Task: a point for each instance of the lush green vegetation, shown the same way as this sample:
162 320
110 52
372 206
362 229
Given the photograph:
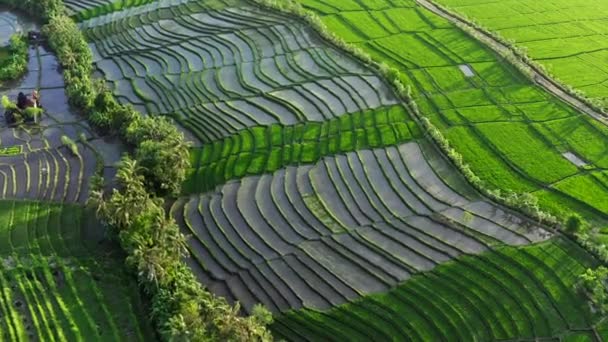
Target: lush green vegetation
563 36
13 59
315 198
508 293
182 309
86 10
270 148
484 113
60 281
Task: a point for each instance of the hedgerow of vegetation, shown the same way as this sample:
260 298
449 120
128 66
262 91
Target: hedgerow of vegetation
166 158
526 203
182 308
15 65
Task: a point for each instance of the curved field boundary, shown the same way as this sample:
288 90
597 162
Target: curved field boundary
350 225
86 6
539 76
83 10
219 71
58 282
507 293
43 168
270 148
463 106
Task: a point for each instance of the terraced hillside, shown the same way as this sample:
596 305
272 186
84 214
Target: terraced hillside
514 136
313 187
565 36
57 282
35 162
249 69
59 278
321 234
241 244
76 6
505 294
227 68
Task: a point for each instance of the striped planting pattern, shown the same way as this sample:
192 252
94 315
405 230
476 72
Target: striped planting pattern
219 70
34 163
57 282
350 225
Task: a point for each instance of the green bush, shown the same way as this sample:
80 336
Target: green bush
181 307
575 224
593 283
16 64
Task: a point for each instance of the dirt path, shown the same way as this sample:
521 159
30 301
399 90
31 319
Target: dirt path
540 79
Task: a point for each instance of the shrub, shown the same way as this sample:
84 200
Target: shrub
161 150
593 284
575 224
182 308
16 64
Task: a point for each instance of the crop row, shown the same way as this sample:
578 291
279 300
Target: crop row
318 235
507 293
42 228
48 302
270 148
53 175
220 72
565 37
76 6
512 134
55 283
82 10
39 164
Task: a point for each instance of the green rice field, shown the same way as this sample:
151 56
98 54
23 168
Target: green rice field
313 188
514 135
476 298
564 36
58 282
61 279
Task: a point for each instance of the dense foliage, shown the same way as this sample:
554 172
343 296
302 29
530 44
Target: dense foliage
593 282
166 158
16 63
182 308
43 9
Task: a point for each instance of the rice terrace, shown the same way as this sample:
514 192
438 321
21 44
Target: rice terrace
303 170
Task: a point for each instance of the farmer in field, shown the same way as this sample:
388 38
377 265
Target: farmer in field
24 102
36 99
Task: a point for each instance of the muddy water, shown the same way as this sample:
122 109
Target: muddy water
11 23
